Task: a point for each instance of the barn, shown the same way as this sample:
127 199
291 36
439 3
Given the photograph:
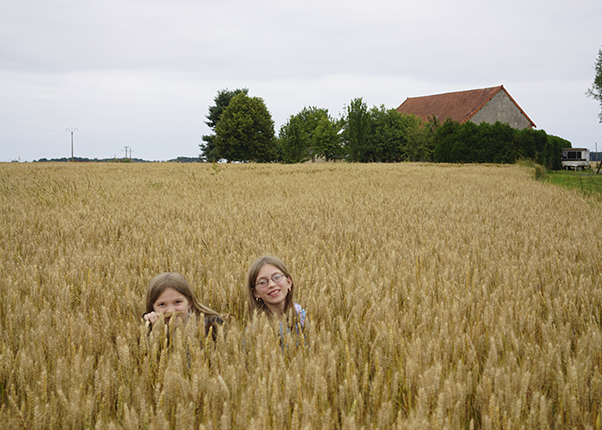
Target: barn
481 105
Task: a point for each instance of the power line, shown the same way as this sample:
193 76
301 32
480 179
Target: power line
31 127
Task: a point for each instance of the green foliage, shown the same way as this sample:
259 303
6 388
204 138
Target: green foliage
384 135
496 143
208 149
554 151
532 144
221 100
471 143
327 139
245 131
294 141
420 137
595 91
375 135
447 139
357 123
386 139
216 169
307 134
588 184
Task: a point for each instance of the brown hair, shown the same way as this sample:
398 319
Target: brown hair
175 281
259 305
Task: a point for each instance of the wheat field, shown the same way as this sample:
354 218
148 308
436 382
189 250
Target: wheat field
438 296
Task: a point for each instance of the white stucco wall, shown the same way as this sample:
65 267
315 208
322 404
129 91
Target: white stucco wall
501 108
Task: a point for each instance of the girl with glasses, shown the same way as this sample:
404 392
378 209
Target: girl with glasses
270 291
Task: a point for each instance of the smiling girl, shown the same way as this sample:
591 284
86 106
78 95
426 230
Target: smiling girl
169 294
270 290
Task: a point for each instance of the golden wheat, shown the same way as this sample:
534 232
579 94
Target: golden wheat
438 296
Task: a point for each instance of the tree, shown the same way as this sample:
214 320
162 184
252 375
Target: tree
221 100
393 137
595 91
356 129
421 137
295 138
308 134
384 135
245 131
327 139
293 141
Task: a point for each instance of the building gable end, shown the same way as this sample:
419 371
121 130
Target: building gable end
470 105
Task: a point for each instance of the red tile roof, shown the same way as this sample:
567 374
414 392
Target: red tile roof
460 106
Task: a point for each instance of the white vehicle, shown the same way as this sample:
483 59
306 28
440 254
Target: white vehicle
575 158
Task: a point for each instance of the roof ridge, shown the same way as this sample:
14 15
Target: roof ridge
461 91
460 106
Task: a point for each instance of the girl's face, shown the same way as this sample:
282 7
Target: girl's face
272 287
170 303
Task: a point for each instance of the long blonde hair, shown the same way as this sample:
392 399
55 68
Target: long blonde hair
176 281
259 305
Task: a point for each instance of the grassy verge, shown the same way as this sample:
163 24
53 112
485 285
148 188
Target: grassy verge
587 182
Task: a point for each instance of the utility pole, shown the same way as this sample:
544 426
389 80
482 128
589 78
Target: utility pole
126 151
71 130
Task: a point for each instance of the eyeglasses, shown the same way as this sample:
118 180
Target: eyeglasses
276 277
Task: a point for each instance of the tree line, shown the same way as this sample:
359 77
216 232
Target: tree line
243 130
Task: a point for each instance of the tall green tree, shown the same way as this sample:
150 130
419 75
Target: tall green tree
245 131
595 91
221 100
357 122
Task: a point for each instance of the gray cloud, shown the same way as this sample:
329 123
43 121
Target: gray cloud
143 73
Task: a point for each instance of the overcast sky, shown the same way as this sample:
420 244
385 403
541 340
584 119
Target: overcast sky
142 73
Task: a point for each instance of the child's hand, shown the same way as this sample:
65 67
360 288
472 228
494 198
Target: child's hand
151 317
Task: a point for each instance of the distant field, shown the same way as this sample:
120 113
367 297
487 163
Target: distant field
438 296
